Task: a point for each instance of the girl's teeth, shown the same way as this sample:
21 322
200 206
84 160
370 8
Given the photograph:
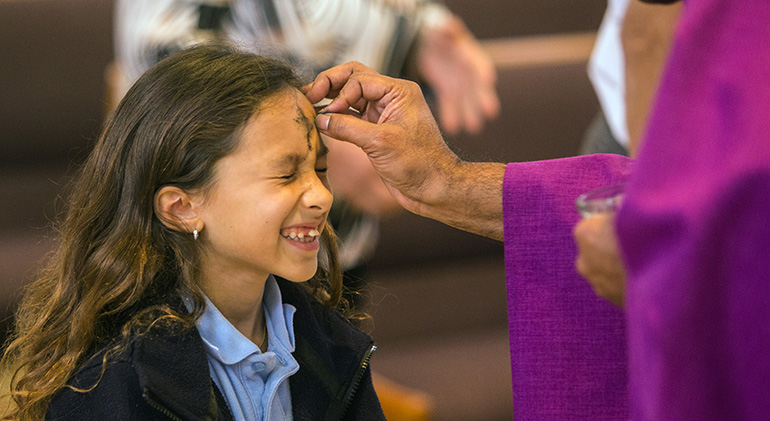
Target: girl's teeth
310 236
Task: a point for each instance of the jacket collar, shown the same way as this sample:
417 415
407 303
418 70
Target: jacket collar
173 372
331 353
173 369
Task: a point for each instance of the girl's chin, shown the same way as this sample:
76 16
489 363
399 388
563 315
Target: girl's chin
298 277
296 280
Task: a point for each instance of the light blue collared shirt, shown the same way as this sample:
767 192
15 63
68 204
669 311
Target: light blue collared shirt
255 384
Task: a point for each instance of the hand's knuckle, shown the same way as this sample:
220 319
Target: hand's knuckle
412 85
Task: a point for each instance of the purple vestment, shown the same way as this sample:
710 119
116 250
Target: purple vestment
568 347
695 225
695 234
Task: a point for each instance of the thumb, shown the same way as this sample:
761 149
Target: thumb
346 127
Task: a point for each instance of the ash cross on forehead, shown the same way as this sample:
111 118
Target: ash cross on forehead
309 125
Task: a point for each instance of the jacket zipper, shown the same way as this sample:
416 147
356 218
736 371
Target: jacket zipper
358 377
157 405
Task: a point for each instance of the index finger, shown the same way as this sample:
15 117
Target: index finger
329 82
364 90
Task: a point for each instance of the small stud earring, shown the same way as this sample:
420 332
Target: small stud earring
195 234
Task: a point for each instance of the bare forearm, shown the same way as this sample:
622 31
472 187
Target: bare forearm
470 199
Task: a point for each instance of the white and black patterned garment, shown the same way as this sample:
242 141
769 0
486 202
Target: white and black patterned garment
313 34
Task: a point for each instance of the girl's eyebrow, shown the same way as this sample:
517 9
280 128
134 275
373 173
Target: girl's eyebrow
289 160
293 159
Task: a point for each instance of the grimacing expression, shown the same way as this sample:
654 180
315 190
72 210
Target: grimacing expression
270 198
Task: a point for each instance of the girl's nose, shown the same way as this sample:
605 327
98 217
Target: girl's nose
318 194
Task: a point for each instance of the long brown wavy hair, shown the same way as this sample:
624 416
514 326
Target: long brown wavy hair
116 265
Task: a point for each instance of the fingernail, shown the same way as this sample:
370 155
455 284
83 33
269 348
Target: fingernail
322 121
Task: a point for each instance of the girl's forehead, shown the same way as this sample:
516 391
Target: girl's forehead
288 104
284 122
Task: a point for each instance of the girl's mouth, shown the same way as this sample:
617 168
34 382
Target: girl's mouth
303 235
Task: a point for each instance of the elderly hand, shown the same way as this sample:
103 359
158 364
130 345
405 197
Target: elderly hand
599 258
452 63
395 128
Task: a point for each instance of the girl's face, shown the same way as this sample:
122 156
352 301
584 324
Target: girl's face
270 198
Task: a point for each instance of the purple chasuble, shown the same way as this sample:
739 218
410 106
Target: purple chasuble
568 347
695 225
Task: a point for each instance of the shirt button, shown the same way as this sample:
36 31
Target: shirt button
258 366
281 360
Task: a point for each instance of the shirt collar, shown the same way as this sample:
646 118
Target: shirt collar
228 345
278 316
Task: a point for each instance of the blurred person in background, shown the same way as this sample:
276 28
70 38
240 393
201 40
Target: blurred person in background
631 48
625 68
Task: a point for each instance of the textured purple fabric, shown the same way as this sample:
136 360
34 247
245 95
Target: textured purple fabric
568 347
695 225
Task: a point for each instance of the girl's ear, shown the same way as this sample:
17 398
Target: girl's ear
176 210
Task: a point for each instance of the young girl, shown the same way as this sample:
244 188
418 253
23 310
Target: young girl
177 290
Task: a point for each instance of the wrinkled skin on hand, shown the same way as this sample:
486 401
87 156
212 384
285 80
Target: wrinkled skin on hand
599 260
